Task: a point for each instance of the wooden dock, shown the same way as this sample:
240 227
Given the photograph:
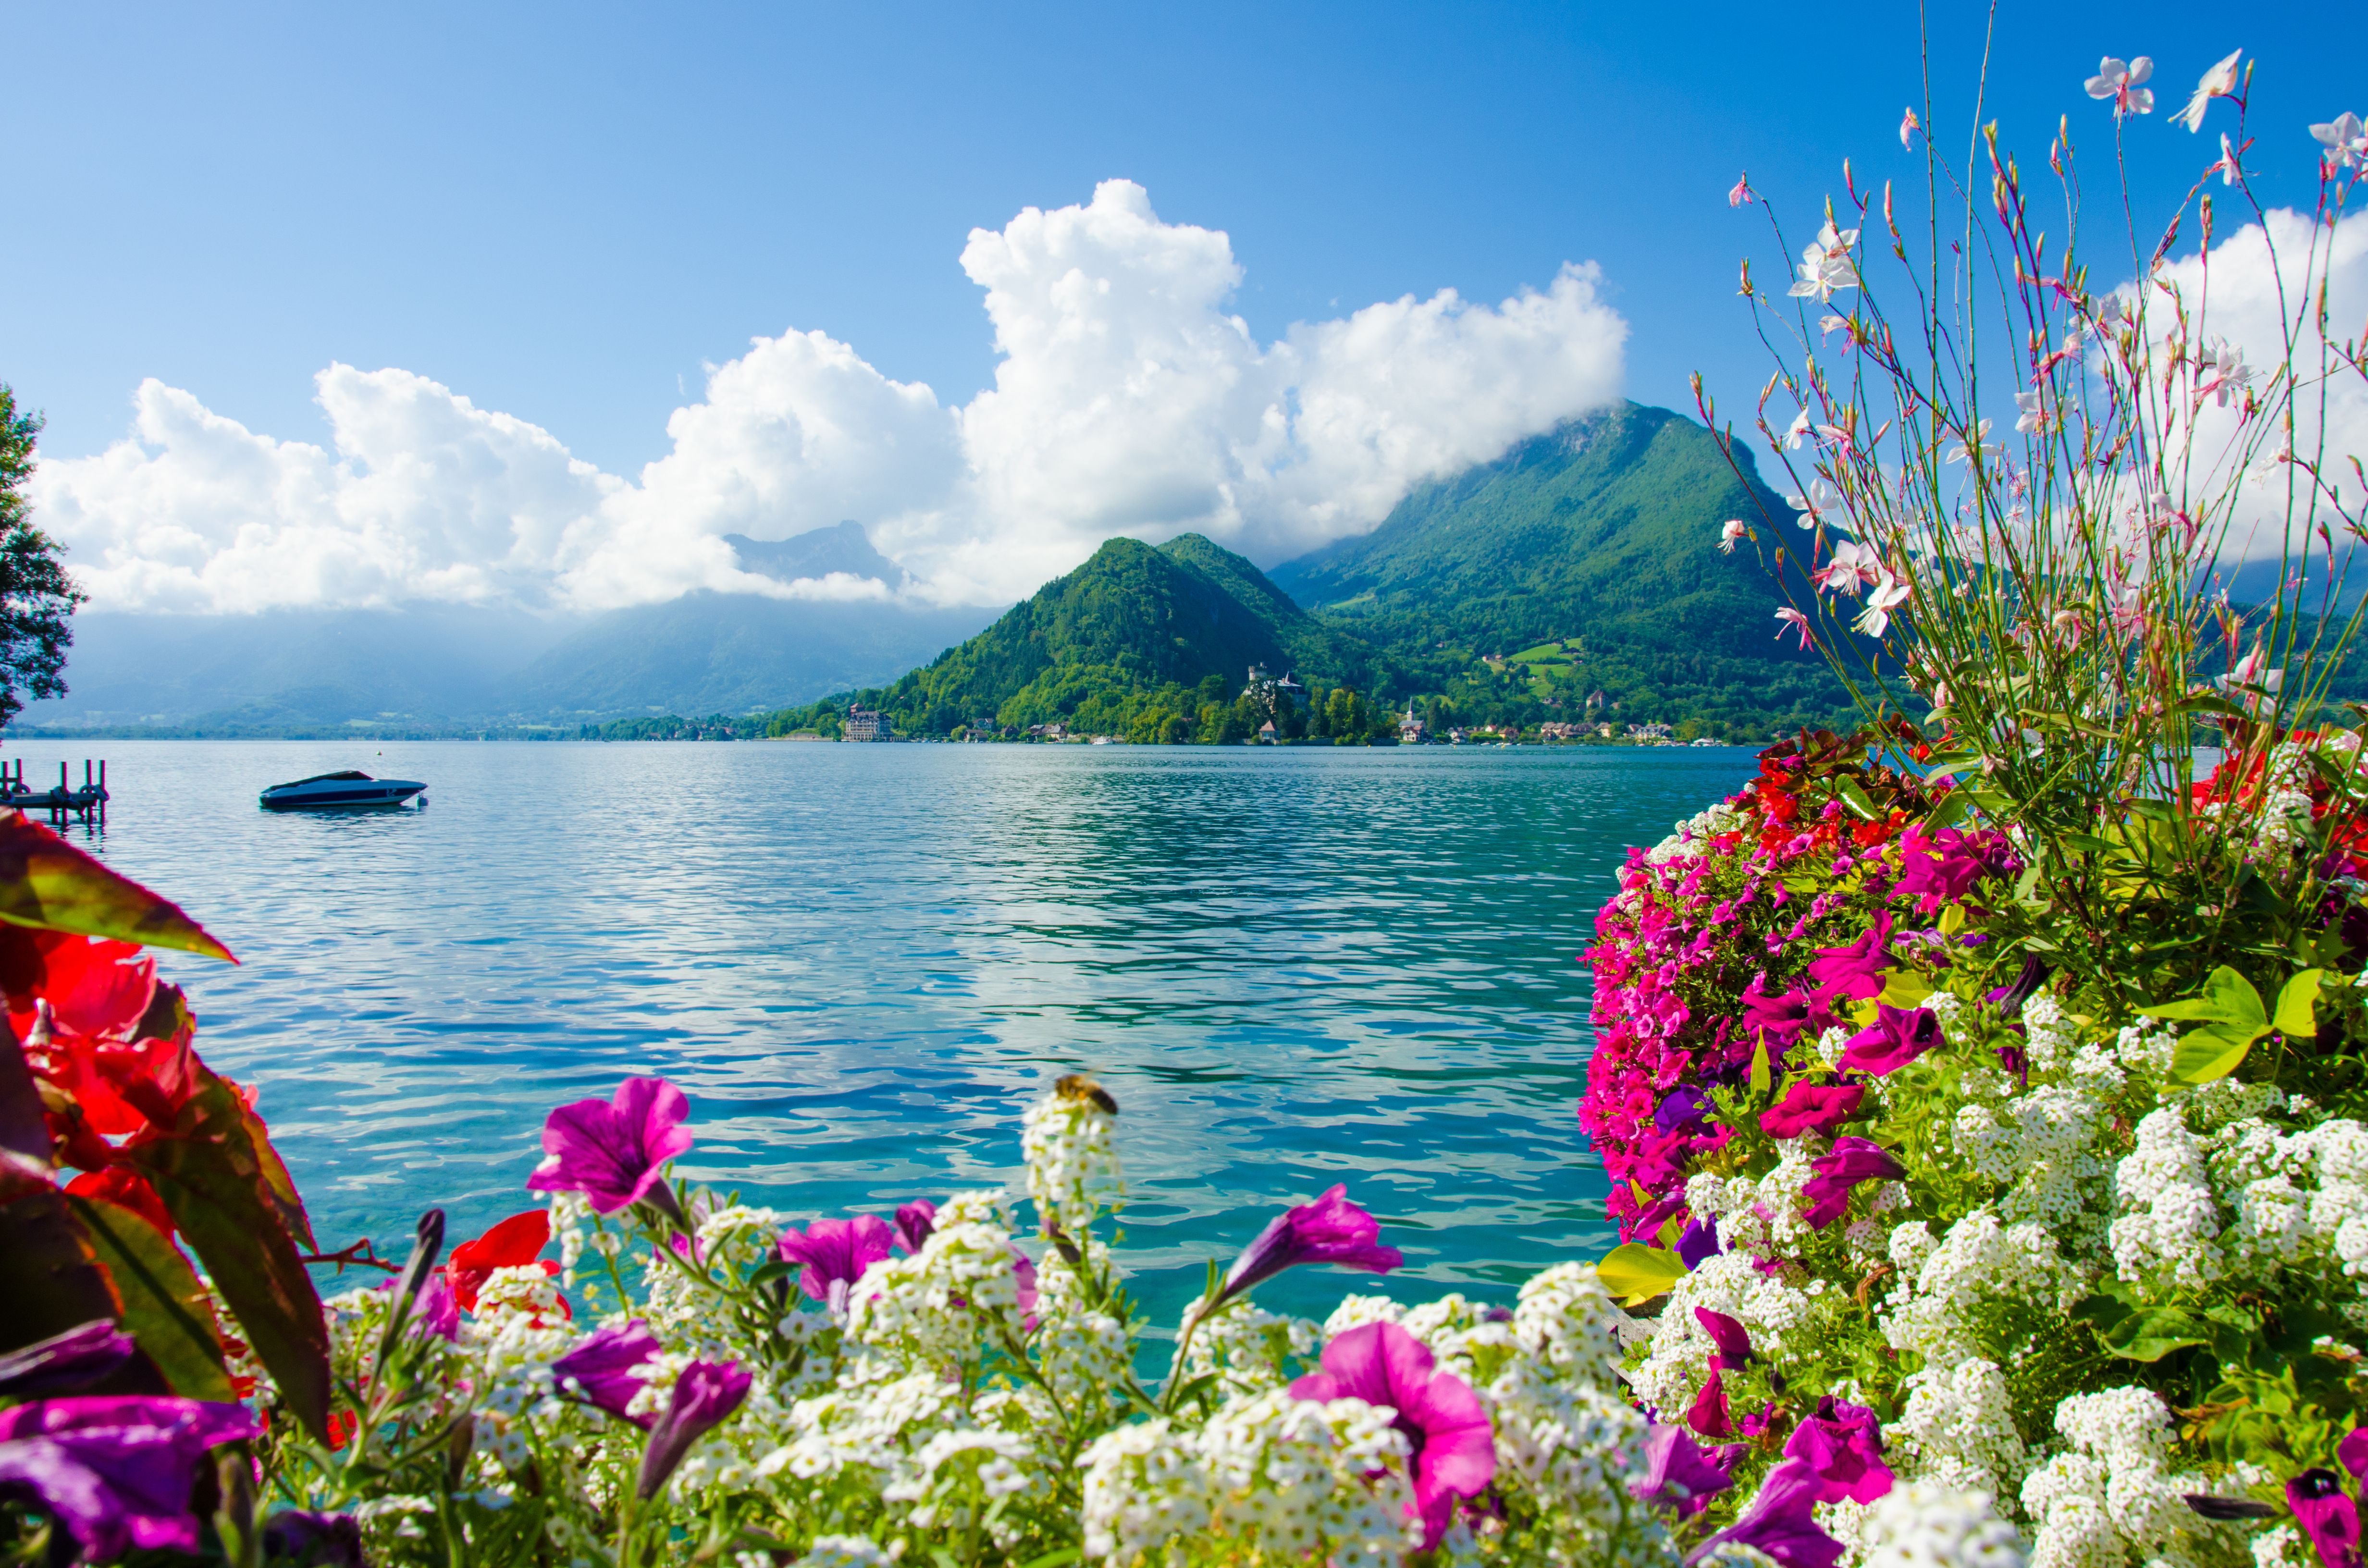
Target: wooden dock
64 803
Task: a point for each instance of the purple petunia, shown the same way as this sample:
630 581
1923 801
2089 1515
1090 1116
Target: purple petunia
1811 1108
1780 1522
1331 1229
614 1151
1897 1036
1852 1161
835 1253
704 1394
116 1472
1855 970
73 1359
1681 1108
1680 1473
2327 1516
1843 1443
1451 1448
600 1371
1698 1241
914 1222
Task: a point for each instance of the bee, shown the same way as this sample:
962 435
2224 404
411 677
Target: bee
1078 1087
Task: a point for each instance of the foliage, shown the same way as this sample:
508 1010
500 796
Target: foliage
36 598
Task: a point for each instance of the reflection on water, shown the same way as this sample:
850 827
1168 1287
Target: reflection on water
1291 968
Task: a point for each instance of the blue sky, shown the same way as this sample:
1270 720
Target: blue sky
562 212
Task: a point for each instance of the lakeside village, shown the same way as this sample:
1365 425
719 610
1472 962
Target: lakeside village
1273 709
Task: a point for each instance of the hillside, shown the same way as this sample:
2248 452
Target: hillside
1134 631
1601 535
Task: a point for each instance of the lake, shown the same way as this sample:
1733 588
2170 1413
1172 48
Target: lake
1291 967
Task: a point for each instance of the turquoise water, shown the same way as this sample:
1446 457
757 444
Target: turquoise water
1291 968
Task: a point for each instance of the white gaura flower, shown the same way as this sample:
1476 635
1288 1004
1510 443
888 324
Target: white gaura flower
1888 595
1742 191
2226 167
1979 443
1851 567
2221 373
2031 409
1826 263
1798 431
2119 80
2217 83
1798 622
1909 126
2346 142
1728 532
1822 497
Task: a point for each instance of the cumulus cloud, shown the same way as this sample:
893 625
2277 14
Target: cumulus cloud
1127 400
2254 292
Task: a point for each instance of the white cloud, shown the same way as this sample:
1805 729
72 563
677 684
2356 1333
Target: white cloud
2261 304
1127 401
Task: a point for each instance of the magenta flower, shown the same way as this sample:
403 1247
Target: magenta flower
1453 1450
2352 1453
116 1472
705 1393
1680 1473
73 1359
1025 1267
1811 1108
835 1253
1897 1036
1780 1523
1843 1443
1331 1229
1855 970
614 1151
1850 1161
914 1222
599 1372
2327 1515
1733 1340
1781 1018
1709 1414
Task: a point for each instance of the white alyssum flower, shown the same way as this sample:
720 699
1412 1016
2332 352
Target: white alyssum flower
1923 1524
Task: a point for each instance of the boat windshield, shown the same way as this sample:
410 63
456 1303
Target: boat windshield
323 778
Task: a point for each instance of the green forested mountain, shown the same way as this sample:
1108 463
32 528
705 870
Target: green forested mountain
1582 564
1603 535
1133 638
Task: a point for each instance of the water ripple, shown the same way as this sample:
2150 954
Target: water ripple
1291 968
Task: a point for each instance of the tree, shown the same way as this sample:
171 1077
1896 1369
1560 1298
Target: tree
37 597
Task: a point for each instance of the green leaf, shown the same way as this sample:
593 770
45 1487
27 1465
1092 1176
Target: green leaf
212 1181
2296 1017
2211 1052
2153 1333
2228 997
1760 1077
164 1308
1855 798
1637 1273
50 1279
49 885
1906 988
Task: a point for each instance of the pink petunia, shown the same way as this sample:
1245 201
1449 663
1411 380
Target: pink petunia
1453 1450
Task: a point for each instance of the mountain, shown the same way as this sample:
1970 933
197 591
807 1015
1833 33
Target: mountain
292 669
710 653
1132 621
419 668
1598 539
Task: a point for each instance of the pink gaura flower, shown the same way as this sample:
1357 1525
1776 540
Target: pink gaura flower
1742 191
1798 622
1453 1449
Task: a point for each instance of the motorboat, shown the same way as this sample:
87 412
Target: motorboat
349 790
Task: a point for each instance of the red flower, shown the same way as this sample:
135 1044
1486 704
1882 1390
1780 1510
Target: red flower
125 1188
514 1244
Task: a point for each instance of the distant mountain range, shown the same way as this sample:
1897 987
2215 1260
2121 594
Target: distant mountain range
1597 538
430 668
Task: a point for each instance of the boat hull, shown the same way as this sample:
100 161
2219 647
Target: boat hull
377 794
